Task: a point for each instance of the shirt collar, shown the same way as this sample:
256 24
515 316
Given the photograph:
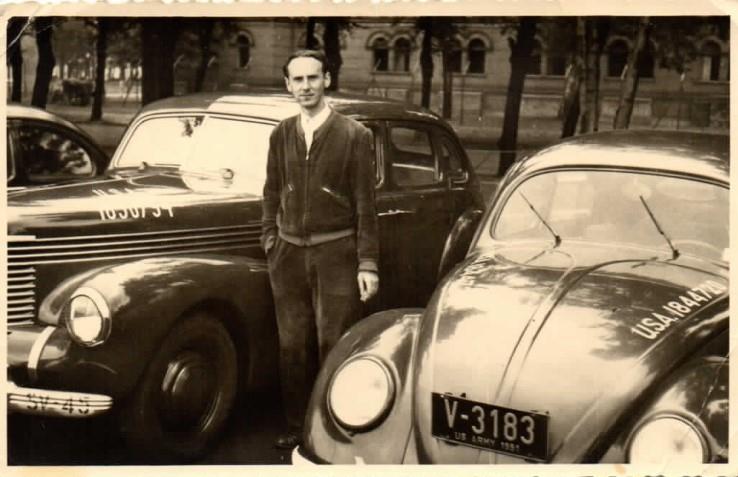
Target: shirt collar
316 121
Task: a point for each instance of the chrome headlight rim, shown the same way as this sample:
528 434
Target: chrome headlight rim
386 404
105 316
690 422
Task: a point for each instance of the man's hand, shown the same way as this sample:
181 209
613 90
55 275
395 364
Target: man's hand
368 284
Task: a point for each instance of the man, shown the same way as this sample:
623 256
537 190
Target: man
319 231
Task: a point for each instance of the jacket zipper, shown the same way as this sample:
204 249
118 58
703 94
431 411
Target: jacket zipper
305 192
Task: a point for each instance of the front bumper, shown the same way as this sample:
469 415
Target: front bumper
300 459
48 376
45 402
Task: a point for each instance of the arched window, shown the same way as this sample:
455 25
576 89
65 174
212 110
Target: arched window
711 56
402 55
380 61
454 56
556 63
617 58
647 62
534 67
477 52
244 50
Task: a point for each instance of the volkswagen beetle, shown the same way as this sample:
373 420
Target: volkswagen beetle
145 292
587 323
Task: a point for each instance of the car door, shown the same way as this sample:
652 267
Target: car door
421 213
384 205
48 153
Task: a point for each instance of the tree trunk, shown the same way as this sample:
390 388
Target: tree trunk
629 85
571 103
426 66
448 86
520 57
158 37
332 45
15 56
310 42
46 61
101 49
205 36
597 32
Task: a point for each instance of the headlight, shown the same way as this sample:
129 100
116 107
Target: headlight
88 317
667 440
361 392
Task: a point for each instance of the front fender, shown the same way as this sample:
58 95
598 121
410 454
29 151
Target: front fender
146 298
698 393
390 336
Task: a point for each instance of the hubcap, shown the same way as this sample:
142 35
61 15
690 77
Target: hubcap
188 390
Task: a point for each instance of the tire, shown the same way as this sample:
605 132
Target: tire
186 393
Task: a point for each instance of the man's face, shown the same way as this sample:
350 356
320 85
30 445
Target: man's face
306 82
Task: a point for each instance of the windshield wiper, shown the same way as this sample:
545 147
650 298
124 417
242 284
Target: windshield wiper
674 251
557 238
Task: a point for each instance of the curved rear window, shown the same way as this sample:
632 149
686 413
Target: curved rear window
617 207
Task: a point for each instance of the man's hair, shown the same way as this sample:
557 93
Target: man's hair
318 55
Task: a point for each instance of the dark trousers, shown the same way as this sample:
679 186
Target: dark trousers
316 296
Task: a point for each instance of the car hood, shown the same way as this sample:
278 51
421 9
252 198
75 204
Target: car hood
147 202
560 332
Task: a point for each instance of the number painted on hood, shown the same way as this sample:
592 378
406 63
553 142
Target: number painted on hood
651 327
126 213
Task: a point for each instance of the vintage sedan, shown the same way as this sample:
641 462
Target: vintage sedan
587 323
146 292
43 148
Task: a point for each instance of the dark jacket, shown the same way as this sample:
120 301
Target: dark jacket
330 193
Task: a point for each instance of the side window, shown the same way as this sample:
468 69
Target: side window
50 155
376 145
413 161
451 156
10 166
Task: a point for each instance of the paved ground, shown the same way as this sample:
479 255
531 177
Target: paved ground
248 439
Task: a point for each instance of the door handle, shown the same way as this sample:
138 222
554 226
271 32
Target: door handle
396 212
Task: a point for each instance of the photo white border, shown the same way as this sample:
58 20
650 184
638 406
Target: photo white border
384 8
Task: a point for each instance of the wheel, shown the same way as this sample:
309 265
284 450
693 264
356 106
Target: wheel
185 395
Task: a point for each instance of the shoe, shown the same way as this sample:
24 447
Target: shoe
289 440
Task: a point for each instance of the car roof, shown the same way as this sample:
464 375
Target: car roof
674 152
19 111
275 106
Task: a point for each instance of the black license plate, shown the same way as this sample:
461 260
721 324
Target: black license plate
486 426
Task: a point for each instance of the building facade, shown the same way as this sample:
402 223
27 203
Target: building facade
381 57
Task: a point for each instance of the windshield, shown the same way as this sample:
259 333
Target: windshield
608 207
212 152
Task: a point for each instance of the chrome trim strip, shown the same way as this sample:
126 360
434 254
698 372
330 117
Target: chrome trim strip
246 234
144 234
35 355
46 402
21 238
139 255
103 249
